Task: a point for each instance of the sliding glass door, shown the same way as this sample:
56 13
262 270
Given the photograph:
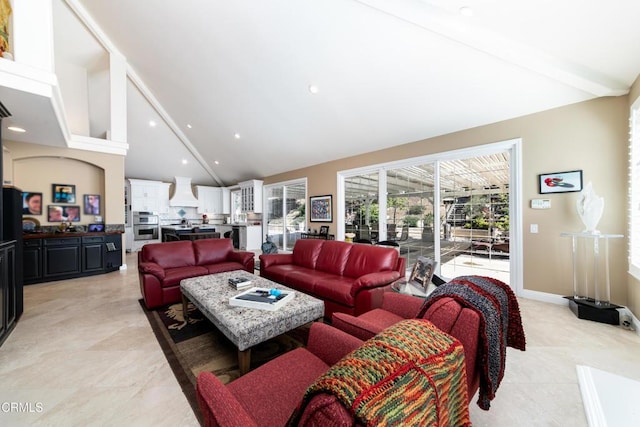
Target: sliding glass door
454 208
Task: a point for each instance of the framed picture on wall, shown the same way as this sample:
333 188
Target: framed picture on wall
321 209
63 193
58 213
92 204
560 182
31 203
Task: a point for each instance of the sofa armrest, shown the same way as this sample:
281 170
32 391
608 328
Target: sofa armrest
330 344
218 406
374 280
406 306
355 326
151 268
247 259
268 260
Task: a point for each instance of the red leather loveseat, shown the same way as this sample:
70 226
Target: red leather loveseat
349 278
161 266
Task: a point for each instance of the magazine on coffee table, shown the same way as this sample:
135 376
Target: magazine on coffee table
239 282
262 298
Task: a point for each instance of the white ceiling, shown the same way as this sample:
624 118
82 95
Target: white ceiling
388 72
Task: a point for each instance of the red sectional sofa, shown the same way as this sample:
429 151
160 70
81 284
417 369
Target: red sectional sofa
161 266
348 277
268 395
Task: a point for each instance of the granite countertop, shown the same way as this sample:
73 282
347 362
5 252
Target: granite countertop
189 228
67 234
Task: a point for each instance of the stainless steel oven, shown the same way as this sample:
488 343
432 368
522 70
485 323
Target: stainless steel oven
145 226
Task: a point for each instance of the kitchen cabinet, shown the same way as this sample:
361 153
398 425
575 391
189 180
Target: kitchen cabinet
145 195
163 197
226 201
251 196
254 237
209 199
8 289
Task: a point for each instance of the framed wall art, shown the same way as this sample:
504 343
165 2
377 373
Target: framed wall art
321 208
63 193
31 203
92 204
58 213
560 182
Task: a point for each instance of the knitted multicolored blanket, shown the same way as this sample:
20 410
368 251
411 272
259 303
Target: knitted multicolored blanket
411 373
500 325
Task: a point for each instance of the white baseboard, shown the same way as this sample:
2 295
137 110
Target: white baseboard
590 400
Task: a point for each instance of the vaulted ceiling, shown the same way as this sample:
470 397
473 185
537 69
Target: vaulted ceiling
228 82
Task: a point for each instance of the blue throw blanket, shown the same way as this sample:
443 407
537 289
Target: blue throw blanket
500 325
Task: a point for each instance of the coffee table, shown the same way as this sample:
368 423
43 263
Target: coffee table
246 327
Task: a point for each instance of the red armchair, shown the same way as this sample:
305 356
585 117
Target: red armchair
447 314
268 395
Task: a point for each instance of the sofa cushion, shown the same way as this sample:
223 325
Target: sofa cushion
306 251
211 251
326 410
364 259
335 288
305 279
278 273
333 257
173 276
169 254
223 266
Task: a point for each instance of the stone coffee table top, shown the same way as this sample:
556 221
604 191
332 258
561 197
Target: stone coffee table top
246 327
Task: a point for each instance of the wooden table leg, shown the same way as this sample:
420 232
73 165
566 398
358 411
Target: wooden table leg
244 360
185 308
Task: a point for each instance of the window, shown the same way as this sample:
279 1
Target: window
285 212
634 190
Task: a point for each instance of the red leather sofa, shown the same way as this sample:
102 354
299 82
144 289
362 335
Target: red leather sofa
161 266
268 395
349 278
446 313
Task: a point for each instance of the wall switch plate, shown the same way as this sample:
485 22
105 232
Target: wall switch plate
534 228
540 204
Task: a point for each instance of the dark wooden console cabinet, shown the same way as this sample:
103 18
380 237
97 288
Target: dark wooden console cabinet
56 258
8 289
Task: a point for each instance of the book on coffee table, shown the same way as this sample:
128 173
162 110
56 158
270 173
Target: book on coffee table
262 298
239 282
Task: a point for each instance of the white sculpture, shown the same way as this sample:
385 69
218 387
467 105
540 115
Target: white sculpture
590 207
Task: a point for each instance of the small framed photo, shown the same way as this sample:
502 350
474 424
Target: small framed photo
63 193
31 203
422 272
92 204
58 213
560 182
321 209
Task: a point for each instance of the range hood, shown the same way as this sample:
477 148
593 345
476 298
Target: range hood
183 194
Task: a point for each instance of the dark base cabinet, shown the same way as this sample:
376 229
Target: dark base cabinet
8 290
58 258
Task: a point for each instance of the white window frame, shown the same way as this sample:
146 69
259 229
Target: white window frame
634 190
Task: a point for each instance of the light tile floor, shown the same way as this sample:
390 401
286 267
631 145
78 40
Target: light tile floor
84 354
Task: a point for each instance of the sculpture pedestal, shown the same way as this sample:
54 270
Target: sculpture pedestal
588 310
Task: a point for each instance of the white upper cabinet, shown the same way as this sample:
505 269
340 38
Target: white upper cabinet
226 201
251 196
145 195
163 197
209 199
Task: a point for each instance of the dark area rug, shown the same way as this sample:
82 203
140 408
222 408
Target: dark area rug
197 345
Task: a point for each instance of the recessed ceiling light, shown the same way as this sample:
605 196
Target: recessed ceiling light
184 161
236 136
152 123
189 126
313 89
466 11
16 129
216 162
